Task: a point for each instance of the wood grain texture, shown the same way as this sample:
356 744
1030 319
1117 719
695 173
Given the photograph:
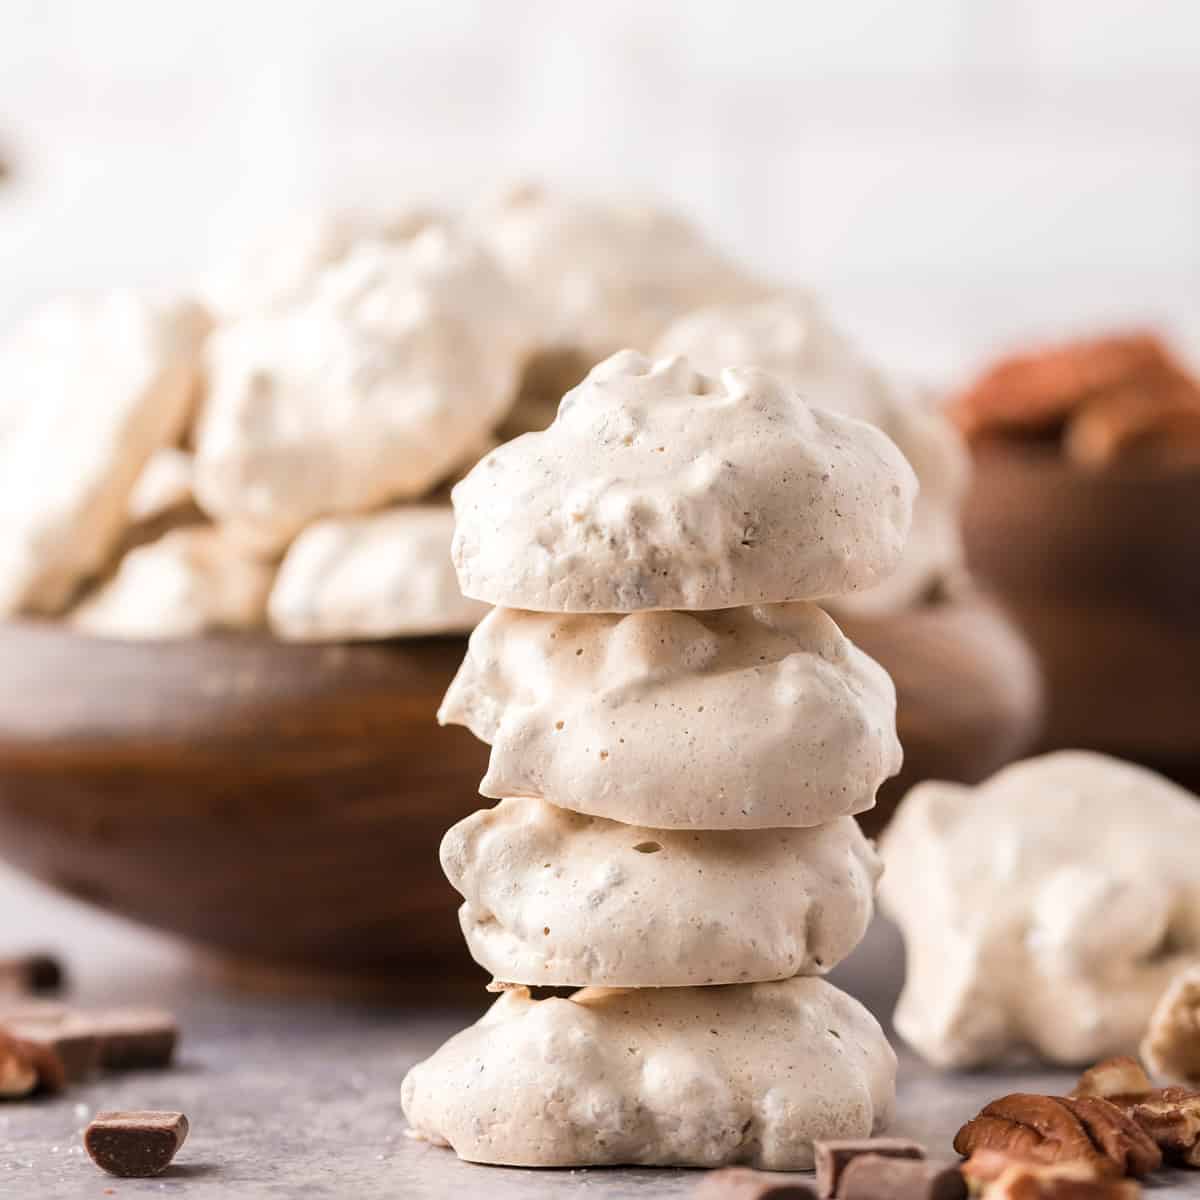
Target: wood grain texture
271 800
283 804
1102 571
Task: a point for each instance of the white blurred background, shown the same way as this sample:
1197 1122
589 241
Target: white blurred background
955 175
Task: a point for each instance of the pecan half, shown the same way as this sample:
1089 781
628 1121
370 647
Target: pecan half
1155 412
1035 393
1169 1116
1053 1129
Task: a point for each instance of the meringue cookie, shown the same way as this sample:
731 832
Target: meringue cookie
791 337
1047 908
164 483
187 582
745 718
384 575
405 357
658 488
555 898
284 267
92 387
605 276
752 1073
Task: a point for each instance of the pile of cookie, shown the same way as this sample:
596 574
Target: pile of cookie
1103 401
680 740
276 451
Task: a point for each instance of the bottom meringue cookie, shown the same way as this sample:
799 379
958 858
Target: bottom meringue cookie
749 1073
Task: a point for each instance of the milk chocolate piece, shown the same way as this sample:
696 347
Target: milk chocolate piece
135 1145
833 1157
30 974
69 1036
134 1039
22 1008
741 1183
119 1039
876 1177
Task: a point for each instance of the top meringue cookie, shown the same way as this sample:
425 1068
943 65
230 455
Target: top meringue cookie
657 487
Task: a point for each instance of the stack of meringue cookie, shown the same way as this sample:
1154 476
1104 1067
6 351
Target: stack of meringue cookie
680 740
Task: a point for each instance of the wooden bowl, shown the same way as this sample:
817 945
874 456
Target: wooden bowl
283 804
968 692
277 802
1102 571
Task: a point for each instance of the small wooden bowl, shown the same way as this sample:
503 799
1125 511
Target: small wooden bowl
1102 571
283 804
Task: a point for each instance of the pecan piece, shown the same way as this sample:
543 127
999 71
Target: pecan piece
27 1067
1120 1076
1169 1116
1172 1043
1053 1129
1058 1181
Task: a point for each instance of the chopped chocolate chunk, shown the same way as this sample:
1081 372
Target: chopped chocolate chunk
135 1145
135 1038
834 1156
877 1177
27 1008
116 1040
68 1036
741 1183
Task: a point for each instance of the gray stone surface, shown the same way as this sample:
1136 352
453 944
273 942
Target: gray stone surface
291 1098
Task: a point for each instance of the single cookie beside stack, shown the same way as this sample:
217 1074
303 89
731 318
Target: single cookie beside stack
680 739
